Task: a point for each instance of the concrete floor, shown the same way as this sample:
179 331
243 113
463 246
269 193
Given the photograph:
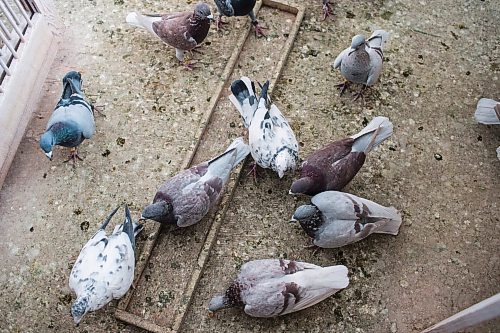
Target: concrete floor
444 55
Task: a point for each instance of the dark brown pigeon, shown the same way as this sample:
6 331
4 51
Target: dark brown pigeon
183 30
333 167
275 287
238 8
188 196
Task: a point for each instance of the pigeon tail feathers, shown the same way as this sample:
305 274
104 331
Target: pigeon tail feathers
142 21
242 150
392 224
243 98
378 130
378 38
128 227
487 112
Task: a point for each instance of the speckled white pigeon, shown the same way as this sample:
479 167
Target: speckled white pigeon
362 61
104 270
488 113
275 287
334 219
272 141
188 196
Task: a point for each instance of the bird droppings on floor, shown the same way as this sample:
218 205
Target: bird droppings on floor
442 57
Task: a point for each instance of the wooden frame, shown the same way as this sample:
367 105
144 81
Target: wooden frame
218 215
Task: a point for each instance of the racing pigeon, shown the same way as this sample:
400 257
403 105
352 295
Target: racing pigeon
272 142
104 270
334 219
362 62
72 120
333 166
275 287
188 196
238 8
183 30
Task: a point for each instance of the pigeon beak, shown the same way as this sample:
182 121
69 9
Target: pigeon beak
211 17
49 155
292 220
142 218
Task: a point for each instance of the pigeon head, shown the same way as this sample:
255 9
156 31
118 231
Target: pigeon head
357 41
309 217
160 211
72 84
203 11
306 185
219 302
79 309
284 161
47 142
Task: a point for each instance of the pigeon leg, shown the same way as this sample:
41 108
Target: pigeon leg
219 23
99 109
259 30
189 64
253 171
360 94
327 9
195 49
343 86
73 156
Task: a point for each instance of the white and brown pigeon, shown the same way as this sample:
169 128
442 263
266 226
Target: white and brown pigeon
104 270
275 287
188 196
238 8
334 219
333 166
362 61
272 142
488 113
183 30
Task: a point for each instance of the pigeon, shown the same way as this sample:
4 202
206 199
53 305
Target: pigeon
334 165
327 9
104 270
334 219
362 62
238 8
188 196
275 287
183 30
488 113
272 142
72 120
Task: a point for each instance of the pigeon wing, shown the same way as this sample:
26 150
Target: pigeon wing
225 7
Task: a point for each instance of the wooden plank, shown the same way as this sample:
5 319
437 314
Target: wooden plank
472 316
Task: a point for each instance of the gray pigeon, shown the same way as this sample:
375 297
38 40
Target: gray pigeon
188 196
104 270
488 113
334 219
272 142
183 30
362 62
238 8
333 166
72 120
275 287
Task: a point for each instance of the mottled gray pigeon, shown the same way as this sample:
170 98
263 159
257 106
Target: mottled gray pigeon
362 62
238 8
272 142
488 113
104 270
334 219
72 120
188 196
333 166
275 287
183 30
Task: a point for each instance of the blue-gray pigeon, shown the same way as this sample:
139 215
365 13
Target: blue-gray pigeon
183 30
334 165
72 120
238 8
275 287
188 196
272 142
334 219
104 270
362 61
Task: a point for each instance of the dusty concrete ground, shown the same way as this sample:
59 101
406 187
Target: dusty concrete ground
444 56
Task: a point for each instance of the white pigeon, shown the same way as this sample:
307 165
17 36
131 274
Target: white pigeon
275 287
334 219
362 61
104 270
488 113
272 142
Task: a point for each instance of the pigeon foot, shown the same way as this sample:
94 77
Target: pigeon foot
219 23
327 10
359 94
259 30
73 156
343 87
99 109
312 246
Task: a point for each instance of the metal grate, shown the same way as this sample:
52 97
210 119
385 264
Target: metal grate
15 19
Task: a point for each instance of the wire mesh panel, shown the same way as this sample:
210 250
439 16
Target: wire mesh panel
15 19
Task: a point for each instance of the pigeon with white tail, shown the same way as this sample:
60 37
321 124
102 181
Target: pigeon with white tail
275 287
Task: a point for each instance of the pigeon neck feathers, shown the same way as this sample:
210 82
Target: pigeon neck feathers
198 27
310 219
161 210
